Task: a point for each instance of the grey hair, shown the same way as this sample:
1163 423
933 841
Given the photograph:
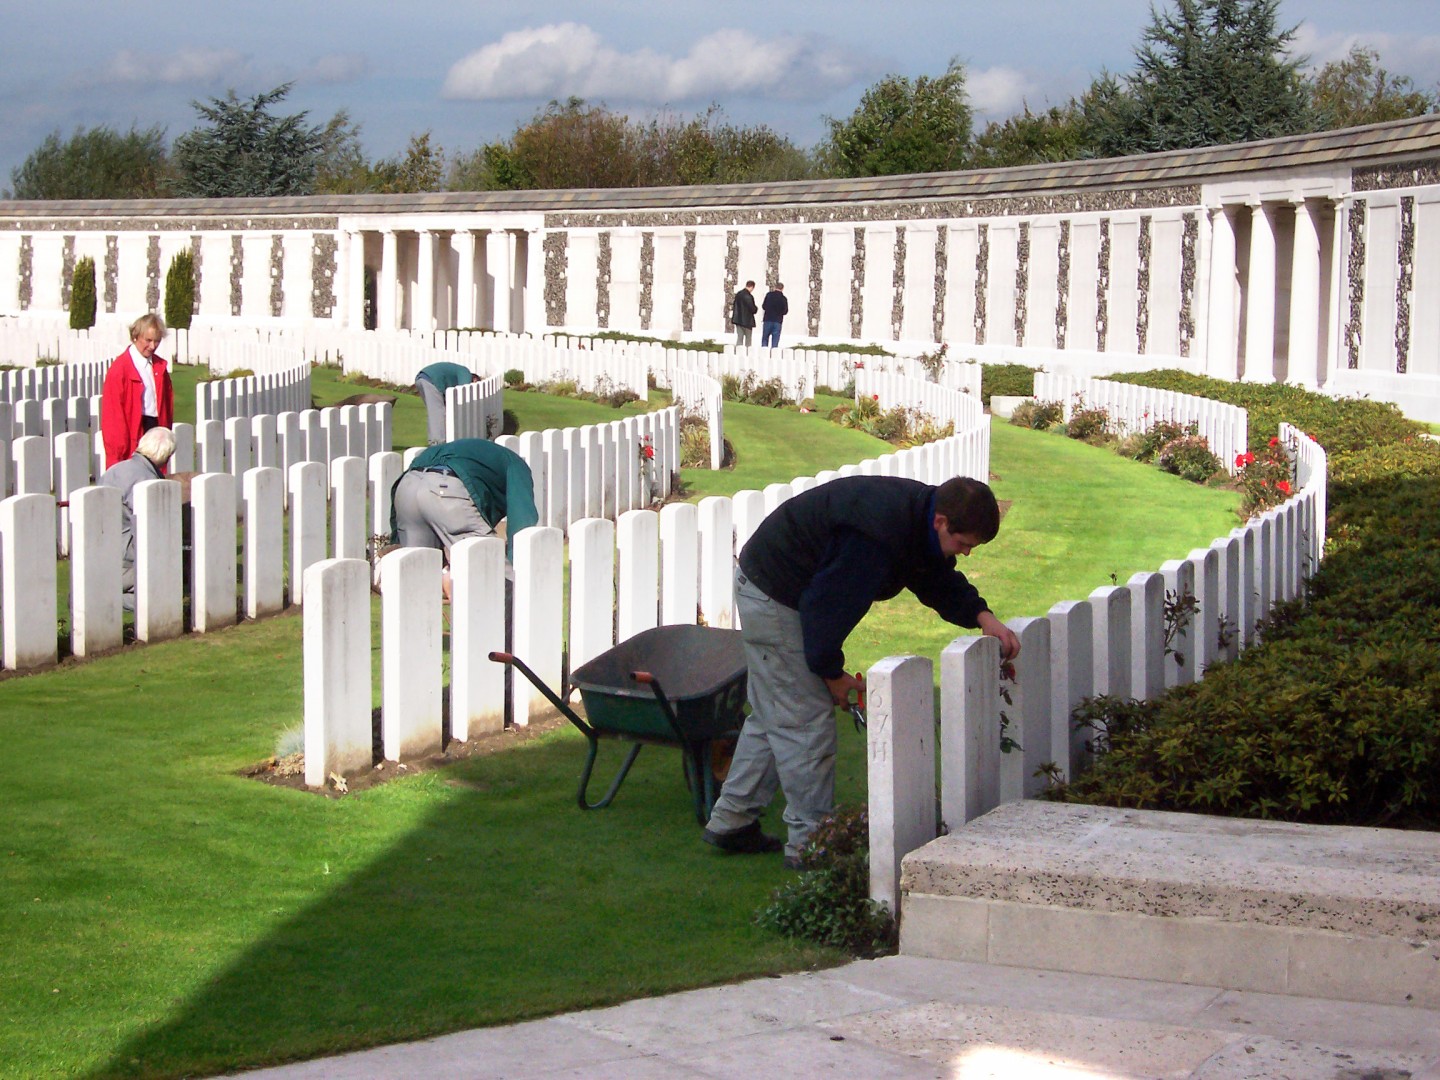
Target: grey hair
148 321
158 445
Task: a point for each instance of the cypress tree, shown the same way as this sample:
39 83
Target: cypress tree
180 291
82 295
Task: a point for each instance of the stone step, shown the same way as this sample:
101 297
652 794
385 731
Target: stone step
1319 911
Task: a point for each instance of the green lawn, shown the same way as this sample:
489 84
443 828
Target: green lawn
163 916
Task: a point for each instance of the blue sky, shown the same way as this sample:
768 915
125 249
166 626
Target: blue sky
470 71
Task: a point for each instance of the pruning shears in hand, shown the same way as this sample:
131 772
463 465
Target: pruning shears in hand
857 707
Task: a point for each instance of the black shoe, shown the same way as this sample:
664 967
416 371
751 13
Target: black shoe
747 841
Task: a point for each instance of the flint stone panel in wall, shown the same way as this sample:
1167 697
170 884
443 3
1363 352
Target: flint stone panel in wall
1400 174
918 210
687 297
67 270
277 276
27 258
152 273
323 258
112 273
556 245
237 273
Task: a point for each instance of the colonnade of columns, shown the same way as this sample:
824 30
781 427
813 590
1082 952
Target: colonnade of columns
1273 289
441 279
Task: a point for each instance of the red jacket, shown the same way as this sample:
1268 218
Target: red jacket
120 405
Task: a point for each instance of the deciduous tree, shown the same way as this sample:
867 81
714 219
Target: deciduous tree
95 163
902 126
1357 90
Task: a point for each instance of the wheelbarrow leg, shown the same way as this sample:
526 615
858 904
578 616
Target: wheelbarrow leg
581 797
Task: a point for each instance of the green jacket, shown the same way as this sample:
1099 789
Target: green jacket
445 375
497 479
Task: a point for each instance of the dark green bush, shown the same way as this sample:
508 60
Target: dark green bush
1007 380
1038 415
1088 424
82 295
1189 458
829 903
1144 445
180 291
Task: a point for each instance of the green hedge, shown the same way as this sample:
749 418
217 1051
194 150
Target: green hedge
1335 716
82 295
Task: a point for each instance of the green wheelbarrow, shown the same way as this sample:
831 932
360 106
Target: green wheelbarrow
678 686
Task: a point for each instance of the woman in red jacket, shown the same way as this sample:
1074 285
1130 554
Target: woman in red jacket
137 395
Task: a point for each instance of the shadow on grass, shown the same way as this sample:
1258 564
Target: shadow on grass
504 902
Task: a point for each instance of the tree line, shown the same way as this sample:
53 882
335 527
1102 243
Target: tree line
1207 72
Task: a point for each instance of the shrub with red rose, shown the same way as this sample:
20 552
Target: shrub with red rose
1267 479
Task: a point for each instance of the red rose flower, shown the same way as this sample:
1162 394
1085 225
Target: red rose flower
1274 440
1284 486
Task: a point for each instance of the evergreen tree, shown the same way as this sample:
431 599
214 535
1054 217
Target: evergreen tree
95 163
82 295
1209 72
903 127
245 150
180 291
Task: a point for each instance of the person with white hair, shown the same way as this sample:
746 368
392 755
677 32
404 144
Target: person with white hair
152 454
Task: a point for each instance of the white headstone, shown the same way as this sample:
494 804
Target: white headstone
96 618
410 710
308 512
679 551
338 735
158 567
212 556
478 621
900 746
969 729
27 581
264 542
539 571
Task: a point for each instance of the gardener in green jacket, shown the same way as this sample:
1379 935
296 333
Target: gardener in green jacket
459 489
432 382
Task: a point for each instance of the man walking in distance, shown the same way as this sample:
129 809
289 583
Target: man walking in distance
431 383
805 579
743 315
776 307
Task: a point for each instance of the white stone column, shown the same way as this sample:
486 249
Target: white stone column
477 611
158 565
900 746
1303 364
95 559
308 511
410 652
969 729
1220 337
1260 297
592 589
464 244
422 311
27 581
337 669
531 248
499 263
355 282
387 282
638 540
212 552
264 493
539 572
679 550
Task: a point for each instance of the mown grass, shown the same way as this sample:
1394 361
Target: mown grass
164 917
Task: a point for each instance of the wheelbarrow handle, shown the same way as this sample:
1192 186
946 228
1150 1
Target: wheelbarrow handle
642 677
502 657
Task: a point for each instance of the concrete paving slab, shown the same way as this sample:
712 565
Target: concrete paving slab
827 1050
1013 1041
701 1017
1278 1059
1398 1027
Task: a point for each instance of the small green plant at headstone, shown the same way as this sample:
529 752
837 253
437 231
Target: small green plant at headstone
829 903
82 295
180 291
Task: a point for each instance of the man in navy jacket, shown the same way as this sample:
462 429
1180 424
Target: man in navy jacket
805 579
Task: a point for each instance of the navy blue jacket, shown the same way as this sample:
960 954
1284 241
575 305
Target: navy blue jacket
834 550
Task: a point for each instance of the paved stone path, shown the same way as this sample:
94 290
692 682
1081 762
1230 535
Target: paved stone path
948 1020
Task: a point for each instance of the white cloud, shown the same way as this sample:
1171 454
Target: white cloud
999 91
337 68
193 65
1415 55
562 59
